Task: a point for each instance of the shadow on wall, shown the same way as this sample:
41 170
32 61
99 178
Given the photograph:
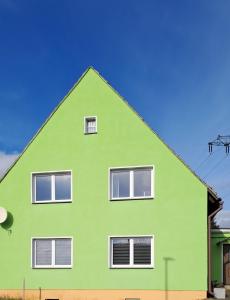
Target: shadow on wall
8 223
167 261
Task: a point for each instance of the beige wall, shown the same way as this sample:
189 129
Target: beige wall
106 294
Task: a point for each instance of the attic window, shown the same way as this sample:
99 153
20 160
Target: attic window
90 125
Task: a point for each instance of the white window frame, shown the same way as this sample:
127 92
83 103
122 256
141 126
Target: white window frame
131 252
52 174
86 118
131 184
52 266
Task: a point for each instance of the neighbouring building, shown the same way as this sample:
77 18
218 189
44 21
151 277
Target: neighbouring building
221 256
99 208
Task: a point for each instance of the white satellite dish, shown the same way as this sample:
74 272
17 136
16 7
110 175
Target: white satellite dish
3 215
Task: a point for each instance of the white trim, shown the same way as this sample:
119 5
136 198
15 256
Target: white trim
227 230
131 186
85 128
131 253
222 262
52 173
131 265
53 266
52 187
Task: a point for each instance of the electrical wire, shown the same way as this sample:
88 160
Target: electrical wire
202 163
215 166
206 159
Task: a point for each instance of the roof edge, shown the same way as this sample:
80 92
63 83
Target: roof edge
148 126
45 122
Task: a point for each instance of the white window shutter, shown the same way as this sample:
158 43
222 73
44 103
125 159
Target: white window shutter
63 252
43 252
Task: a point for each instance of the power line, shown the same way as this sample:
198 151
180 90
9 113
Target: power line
214 167
205 160
202 162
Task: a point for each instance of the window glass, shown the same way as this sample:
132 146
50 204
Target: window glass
90 125
43 250
43 187
63 252
142 251
142 183
120 184
62 187
121 249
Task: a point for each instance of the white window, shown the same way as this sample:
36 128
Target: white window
90 125
131 252
51 187
132 183
52 252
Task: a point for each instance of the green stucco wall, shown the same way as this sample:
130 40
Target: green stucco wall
177 216
217 251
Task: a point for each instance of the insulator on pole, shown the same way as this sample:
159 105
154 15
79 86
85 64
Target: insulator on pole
221 140
210 148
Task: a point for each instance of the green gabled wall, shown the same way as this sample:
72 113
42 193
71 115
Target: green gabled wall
177 216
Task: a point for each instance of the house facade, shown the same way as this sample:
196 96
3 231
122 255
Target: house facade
99 207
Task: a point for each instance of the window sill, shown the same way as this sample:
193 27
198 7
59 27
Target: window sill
90 132
52 202
132 267
52 267
133 198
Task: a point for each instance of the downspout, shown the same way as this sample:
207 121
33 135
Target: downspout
209 246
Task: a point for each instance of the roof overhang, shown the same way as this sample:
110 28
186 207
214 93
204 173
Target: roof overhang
223 241
215 204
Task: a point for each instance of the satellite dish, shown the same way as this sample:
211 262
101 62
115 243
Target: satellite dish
3 215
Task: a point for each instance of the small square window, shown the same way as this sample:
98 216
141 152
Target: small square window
90 125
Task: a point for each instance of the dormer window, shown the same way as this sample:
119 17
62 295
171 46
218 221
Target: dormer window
90 125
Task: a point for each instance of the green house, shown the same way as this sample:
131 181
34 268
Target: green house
99 207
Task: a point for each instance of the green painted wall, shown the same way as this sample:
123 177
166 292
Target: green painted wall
176 216
217 254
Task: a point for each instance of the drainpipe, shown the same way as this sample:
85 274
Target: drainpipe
209 246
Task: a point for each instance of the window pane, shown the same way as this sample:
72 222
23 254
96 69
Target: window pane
63 187
120 184
142 251
63 252
43 250
43 187
120 251
142 183
91 125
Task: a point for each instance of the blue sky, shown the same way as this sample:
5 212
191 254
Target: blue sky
169 59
